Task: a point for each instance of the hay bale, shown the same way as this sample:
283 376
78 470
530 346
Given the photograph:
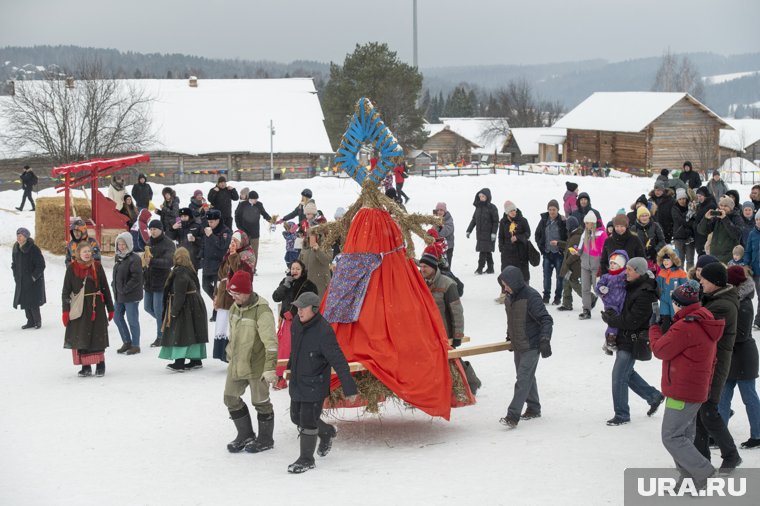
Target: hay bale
49 222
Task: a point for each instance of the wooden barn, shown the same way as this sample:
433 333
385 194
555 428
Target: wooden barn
468 139
533 145
743 141
643 131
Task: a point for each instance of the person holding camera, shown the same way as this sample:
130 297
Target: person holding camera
705 204
725 225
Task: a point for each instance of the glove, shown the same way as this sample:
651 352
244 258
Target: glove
493 237
545 348
288 281
606 315
65 318
509 344
604 290
457 341
110 316
269 377
468 234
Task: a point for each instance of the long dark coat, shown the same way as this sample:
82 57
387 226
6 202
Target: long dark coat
287 294
86 333
185 321
485 221
514 253
744 361
28 266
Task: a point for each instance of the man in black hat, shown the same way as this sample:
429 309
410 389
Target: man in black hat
314 351
722 300
28 182
221 197
158 260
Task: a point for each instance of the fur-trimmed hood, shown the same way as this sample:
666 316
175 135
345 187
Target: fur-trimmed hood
671 252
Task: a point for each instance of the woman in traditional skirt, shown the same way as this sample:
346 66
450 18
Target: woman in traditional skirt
240 256
185 329
290 288
87 333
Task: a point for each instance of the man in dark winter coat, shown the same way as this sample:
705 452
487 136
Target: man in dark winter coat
157 265
632 324
142 192
571 264
190 236
28 266
485 222
514 234
664 198
529 330
221 197
215 245
446 297
690 177
28 182
682 214
726 228
722 301
621 239
169 212
314 350
247 217
705 204
551 231
584 206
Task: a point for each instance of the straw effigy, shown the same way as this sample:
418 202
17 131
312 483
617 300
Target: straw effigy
49 221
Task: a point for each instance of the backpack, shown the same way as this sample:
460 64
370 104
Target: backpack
460 285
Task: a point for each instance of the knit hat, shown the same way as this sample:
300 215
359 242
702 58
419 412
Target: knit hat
155 224
440 205
240 282
659 184
214 214
702 190
748 204
24 231
639 265
340 213
618 260
705 260
221 179
571 187
681 194
665 172
727 201
716 274
641 200
429 260
590 217
738 250
553 203
736 275
237 236
197 193
310 207
686 294
509 206
253 194
306 193
641 211
620 220
572 223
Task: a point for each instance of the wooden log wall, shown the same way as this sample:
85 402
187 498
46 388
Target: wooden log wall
448 146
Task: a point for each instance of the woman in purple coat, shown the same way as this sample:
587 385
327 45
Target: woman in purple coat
611 289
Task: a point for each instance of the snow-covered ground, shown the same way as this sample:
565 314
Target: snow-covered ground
144 436
724 78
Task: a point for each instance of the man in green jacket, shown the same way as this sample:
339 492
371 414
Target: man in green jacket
252 355
446 297
725 225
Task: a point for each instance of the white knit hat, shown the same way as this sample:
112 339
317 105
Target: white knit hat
590 217
681 194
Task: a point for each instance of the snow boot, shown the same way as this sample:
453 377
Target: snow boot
308 440
729 465
28 325
655 406
245 435
616 420
134 350
509 422
326 436
546 299
264 441
177 366
156 343
751 443
585 315
85 371
124 348
565 308
194 364
530 414
556 302
100 369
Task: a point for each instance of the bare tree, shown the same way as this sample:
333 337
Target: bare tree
678 75
68 120
705 144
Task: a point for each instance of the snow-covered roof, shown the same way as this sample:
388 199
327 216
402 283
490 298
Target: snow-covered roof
527 139
231 115
746 132
737 164
629 111
487 133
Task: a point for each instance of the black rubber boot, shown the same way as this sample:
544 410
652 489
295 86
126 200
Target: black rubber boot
305 462
264 441
326 436
85 371
245 435
100 369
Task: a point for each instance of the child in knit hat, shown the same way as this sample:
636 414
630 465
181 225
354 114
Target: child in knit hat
737 254
611 289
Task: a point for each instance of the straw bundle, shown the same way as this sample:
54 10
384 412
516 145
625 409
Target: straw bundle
49 222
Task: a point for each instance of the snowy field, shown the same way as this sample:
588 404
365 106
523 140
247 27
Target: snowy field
142 435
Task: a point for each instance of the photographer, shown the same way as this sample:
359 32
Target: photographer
725 225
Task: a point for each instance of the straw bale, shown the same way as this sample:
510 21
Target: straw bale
49 222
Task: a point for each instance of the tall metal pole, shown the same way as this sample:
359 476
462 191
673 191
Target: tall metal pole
414 21
271 150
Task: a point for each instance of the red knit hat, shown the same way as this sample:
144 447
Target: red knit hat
736 275
241 282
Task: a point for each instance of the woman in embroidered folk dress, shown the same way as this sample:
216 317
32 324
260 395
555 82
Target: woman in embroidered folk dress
290 288
240 256
87 333
185 330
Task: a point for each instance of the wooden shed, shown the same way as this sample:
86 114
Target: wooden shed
743 141
643 131
468 139
533 145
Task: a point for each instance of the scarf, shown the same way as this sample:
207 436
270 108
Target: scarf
83 269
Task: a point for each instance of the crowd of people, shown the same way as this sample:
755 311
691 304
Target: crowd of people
701 316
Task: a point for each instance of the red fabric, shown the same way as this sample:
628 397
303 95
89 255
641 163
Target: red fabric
456 403
81 270
687 351
283 341
399 336
397 171
88 359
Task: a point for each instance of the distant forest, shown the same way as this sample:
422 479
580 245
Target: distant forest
447 91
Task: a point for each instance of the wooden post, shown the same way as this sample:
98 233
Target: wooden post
93 197
66 206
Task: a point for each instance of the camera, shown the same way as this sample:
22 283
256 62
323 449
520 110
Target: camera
715 212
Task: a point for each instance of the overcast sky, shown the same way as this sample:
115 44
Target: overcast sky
451 32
